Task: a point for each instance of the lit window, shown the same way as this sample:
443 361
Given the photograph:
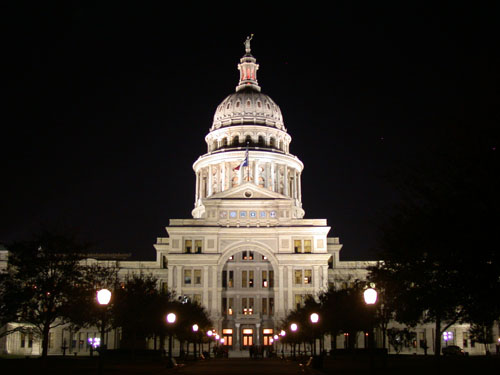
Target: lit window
298 276
187 277
198 246
297 246
188 246
307 246
197 277
307 276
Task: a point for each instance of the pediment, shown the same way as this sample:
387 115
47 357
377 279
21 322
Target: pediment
248 190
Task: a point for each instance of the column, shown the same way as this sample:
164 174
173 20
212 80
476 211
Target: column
256 173
325 277
209 180
285 181
258 333
178 288
205 285
316 281
216 295
197 189
273 177
280 301
299 187
290 288
222 177
267 173
237 343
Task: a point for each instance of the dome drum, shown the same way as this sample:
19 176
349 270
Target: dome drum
256 137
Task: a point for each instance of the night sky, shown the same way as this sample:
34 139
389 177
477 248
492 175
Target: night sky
107 108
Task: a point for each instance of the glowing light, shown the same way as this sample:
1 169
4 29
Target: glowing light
370 296
314 318
195 327
171 317
294 327
103 296
282 333
209 333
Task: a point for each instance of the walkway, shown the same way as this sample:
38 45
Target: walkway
241 366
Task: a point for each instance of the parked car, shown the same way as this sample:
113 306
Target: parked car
453 350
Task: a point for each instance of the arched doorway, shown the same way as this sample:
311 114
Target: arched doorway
248 303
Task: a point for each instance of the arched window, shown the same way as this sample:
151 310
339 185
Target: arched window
272 142
236 141
224 142
248 140
214 145
261 141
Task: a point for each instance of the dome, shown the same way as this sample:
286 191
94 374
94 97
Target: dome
248 107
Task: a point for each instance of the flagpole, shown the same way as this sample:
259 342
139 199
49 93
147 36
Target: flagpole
248 164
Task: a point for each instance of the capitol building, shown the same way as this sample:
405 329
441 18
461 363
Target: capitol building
248 254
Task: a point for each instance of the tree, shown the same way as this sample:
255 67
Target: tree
40 282
344 310
400 338
482 333
440 259
139 309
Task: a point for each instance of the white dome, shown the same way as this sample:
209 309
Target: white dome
248 107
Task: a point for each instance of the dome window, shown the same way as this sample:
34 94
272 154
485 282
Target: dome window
272 142
237 104
248 103
259 104
236 141
248 140
261 141
224 142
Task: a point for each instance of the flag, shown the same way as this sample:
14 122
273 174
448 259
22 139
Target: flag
244 163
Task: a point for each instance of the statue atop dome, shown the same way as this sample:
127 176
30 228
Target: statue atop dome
247 43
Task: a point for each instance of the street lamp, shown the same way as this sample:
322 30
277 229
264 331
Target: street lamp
294 327
314 320
195 330
103 298
171 318
370 296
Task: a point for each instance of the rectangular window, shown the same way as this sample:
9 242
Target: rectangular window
265 282
465 340
244 281
298 276
187 277
197 277
307 246
250 279
297 246
197 298
298 301
230 282
188 246
23 340
198 246
271 279
244 307
271 306
307 276
230 307
224 305
224 279
264 306
30 340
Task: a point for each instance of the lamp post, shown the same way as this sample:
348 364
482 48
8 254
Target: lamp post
209 334
294 327
314 320
171 318
103 298
370 297
195 330
282 334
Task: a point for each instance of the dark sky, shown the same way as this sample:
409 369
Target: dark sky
107 108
